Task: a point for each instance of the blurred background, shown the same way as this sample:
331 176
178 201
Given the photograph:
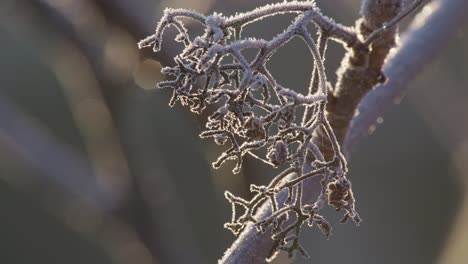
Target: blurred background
95 167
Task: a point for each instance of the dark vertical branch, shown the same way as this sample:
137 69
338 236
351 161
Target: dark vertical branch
361 68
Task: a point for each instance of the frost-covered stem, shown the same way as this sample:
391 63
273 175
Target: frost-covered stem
314 83
336 31
428 34
316 53
252 247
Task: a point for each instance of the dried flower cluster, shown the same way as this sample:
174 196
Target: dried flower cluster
257 116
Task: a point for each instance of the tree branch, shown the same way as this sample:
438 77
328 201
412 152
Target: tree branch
254 247
361 68
428 34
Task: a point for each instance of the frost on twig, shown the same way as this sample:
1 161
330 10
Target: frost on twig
256 115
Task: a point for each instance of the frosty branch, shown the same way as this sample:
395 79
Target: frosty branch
258 116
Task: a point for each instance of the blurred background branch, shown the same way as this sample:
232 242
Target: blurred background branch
84 60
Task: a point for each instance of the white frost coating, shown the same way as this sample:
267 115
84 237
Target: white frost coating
213 25
255 113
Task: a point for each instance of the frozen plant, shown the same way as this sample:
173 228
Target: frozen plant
255 115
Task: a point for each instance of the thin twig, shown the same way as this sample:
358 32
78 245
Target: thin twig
389 25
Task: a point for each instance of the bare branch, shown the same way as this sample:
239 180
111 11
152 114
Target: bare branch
427 35
252 247
361 68
280 209
288 142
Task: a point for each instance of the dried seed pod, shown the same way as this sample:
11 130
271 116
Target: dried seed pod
338 193
278 153
254 129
